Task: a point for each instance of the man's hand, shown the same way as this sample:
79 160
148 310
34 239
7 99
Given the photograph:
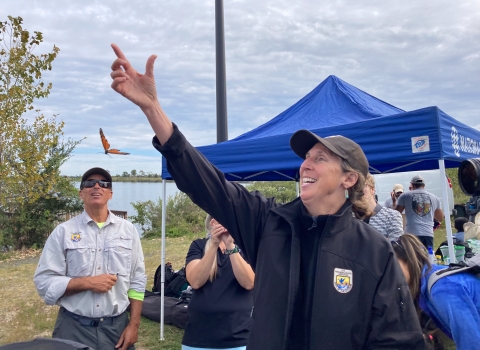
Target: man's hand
138 88
97 284
128 338
394 198
102 283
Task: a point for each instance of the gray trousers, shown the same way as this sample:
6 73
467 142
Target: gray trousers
99 334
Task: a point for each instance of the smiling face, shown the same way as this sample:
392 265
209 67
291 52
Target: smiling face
96 197
323 182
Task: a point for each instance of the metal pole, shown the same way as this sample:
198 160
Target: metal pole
446 211
162 278
221 85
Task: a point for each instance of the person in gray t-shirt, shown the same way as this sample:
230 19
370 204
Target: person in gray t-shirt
421 207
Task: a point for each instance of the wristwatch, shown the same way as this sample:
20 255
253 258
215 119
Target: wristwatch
232 251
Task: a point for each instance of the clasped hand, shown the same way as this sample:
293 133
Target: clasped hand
220 234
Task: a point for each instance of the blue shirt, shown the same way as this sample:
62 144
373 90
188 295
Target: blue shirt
454 305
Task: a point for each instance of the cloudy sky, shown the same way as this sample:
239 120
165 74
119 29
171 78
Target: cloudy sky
411 54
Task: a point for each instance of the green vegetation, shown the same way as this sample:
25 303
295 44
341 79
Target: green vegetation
183 217
458 195
32 192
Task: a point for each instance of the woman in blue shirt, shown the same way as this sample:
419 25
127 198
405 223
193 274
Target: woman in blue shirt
454 300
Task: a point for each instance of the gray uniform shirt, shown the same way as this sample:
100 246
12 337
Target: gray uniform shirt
79 248
420 207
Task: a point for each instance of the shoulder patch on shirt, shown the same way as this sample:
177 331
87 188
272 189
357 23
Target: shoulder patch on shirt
75 237
342 280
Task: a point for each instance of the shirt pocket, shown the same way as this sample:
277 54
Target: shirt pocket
80 260
118 253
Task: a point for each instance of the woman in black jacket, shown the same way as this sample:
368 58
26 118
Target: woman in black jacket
323 279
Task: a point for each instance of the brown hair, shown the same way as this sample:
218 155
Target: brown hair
360 206
412 252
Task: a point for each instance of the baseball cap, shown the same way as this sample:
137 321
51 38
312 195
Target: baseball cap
397 188
303 140
417 180
96 171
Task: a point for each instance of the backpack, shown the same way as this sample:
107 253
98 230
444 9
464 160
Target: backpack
472 266
169 273
177 284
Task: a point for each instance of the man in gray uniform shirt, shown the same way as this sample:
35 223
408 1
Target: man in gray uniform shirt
421 207
92 267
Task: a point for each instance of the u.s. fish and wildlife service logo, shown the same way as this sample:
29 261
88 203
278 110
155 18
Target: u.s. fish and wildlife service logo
75 237
343 280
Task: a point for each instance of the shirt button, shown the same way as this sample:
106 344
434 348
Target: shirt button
101 320
98 305
99 250
99 268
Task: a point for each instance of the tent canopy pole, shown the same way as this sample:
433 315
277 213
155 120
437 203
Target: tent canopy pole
446 210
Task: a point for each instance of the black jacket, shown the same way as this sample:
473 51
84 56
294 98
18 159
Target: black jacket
376 313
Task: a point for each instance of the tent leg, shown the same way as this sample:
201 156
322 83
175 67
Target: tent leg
297 188
446 210
162 279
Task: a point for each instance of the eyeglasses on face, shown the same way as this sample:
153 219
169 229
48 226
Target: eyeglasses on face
92 183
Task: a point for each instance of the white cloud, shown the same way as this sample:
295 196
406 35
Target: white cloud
410 54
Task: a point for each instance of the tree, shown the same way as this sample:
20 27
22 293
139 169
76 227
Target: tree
125 174
133 172
283 191
141 173
31 152
31 149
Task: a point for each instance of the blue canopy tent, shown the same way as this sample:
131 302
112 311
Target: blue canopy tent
393 140
406 141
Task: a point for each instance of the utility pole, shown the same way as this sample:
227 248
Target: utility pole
221 84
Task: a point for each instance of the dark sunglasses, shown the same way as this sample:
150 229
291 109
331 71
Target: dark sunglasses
398 193
92 183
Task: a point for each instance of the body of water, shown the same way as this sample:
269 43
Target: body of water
125 193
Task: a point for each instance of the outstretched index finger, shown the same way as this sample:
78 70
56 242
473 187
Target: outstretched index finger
118 52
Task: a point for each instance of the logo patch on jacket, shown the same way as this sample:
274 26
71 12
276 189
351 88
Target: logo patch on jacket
343 280
75 237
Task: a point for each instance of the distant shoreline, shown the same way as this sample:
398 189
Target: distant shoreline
124 179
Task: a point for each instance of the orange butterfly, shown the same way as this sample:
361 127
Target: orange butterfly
106 145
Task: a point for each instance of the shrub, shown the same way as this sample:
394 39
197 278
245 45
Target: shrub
183 217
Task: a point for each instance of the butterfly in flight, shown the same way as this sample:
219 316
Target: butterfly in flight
106 145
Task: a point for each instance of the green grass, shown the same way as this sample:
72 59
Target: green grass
25 316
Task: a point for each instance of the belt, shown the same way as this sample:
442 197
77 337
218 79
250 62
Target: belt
88 321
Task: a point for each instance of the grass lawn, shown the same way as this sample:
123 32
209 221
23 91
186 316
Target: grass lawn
25 316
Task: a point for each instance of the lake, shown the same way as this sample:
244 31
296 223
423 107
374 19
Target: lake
126 192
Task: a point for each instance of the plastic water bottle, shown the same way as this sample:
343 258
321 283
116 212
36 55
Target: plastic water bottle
431 257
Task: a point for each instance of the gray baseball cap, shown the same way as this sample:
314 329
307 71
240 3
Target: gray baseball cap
303 140
417 180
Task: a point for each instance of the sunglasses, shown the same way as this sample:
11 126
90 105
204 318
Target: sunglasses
398 193
92 183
